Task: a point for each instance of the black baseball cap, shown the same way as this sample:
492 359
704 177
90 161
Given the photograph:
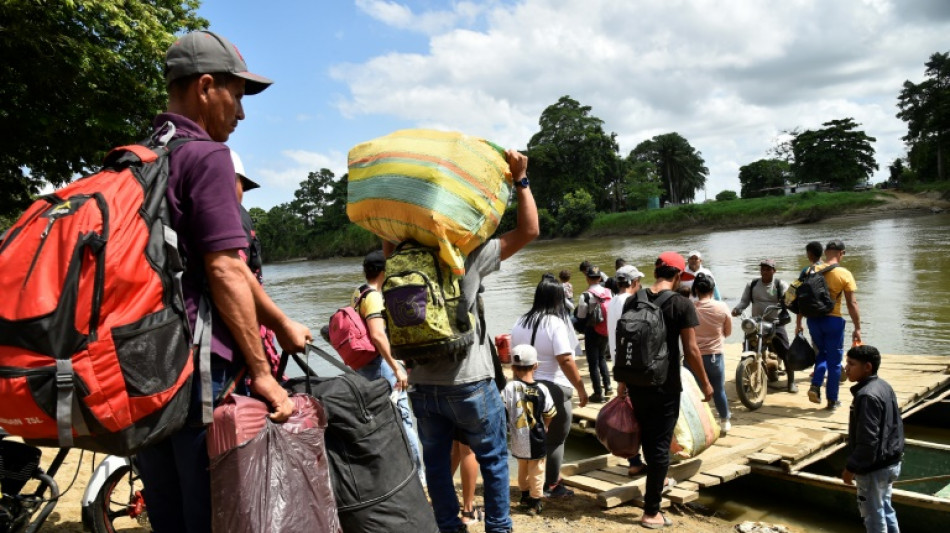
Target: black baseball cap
206 52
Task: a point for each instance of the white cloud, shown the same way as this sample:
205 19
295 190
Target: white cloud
728 75
296 165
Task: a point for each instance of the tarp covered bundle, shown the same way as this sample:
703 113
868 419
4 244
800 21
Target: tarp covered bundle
445 190
696 428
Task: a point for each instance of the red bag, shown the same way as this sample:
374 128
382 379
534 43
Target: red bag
503 346
268 477
95 345
349 336
617 428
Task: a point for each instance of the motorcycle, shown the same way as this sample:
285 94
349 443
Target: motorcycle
758 364
114 492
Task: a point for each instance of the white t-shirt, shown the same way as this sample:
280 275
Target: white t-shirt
554 338
614 310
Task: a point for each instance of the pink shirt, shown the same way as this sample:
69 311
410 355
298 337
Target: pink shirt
712 316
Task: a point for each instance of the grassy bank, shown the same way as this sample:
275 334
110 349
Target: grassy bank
740 213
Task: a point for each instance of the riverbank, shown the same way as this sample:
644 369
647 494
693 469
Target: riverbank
803 208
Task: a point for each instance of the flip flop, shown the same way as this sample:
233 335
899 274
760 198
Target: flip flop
656 525
668 485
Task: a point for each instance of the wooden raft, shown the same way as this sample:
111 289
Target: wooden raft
787 432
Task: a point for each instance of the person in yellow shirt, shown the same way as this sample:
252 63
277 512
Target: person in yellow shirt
827 332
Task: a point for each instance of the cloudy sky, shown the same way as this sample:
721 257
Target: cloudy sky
727 75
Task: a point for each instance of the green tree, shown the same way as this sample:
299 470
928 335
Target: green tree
681 167
281 231
313 197
925 107
77 78
725 196
838 154
763 174
643 183
573 151
576 213
334 214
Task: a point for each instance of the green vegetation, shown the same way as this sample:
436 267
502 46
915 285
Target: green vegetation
768 211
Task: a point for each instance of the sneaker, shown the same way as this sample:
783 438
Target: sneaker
558 491
525 496
535 506
814 394
792 387
833 406
725 426
595 398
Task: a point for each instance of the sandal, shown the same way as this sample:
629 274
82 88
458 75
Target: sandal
472 517
657 525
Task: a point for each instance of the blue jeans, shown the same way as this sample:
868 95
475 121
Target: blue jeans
378 368
874 499
176 473
476 411
715 366
827 332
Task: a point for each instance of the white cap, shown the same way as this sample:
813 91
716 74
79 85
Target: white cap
695 253
629 272
239 170
524 355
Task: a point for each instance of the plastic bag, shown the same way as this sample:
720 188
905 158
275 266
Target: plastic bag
441 189
801 355
277 481
696 428
617 428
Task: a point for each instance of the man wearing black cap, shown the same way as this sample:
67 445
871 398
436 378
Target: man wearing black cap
207 78
827 332
595 333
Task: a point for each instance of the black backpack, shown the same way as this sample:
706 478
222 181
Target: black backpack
642 354
812 297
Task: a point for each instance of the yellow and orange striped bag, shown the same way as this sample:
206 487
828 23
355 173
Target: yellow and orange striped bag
443 190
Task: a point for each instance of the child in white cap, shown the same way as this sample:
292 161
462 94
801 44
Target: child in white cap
530 410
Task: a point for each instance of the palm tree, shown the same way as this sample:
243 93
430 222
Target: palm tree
681 167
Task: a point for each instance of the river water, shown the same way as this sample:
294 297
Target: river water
898 264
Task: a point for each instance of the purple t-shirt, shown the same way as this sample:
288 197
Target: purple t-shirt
204 209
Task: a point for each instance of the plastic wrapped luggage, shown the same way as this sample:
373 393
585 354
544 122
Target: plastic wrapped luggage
617 428
373 475
268 477
441 189
696 428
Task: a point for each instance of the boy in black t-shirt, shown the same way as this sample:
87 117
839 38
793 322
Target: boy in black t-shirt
657 408
530 410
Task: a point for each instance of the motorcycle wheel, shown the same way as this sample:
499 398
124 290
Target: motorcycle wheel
751 383
118 505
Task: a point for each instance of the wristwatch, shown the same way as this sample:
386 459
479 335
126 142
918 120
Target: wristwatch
523 182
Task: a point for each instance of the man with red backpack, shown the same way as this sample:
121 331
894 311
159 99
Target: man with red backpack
207 78
592 310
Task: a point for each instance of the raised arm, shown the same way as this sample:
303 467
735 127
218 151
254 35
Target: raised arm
527 228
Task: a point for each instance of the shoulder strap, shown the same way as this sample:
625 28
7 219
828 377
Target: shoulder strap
663 297
534 330
828 269
751 290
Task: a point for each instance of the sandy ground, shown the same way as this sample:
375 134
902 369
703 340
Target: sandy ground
580 514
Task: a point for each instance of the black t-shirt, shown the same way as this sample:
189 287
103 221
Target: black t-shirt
678 313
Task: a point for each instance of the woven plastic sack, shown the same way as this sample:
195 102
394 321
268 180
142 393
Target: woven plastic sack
617 428
444 190
697 427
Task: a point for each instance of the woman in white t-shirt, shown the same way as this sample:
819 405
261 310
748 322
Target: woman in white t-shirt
548 328
715 324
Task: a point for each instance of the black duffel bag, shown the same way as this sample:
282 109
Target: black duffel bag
374 478
801 354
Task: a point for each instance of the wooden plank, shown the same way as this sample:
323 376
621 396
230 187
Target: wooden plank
764 458
592 463
589 484
728 472
705 481
688 485
814 458
681 496
608 476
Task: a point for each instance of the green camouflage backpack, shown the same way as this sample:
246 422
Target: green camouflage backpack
422 298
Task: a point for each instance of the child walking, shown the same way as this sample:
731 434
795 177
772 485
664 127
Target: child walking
530 410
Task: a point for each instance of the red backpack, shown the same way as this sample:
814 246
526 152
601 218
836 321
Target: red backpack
349 336
95 345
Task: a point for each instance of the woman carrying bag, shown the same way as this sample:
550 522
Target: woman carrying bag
547 327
